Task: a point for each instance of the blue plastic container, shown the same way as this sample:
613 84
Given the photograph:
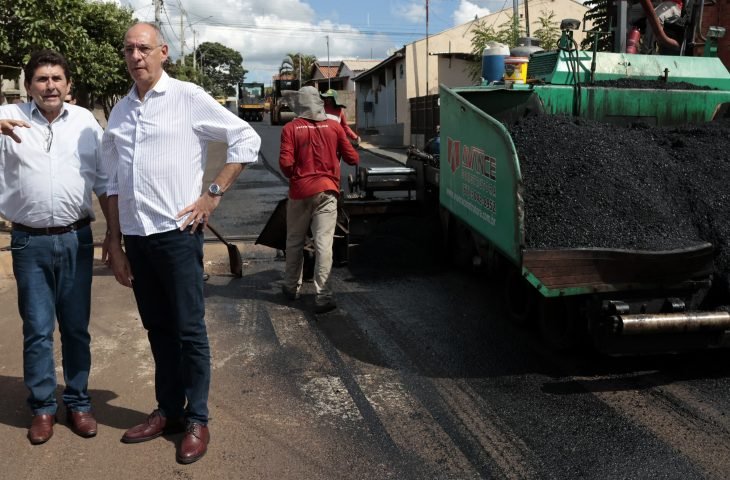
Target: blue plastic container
493 62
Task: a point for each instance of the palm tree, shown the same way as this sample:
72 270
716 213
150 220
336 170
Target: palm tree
298 65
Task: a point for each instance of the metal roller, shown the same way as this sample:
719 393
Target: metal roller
380 179
672 322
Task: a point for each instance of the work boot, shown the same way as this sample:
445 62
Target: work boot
290 294
324 304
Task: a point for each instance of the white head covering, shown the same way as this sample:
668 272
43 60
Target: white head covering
306 103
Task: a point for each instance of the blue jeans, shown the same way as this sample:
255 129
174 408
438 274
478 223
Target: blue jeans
53 274
168 285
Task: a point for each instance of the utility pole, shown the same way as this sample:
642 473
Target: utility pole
158 11
427 46
329 71
182 38
195 51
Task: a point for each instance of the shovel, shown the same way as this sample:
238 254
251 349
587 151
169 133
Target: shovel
234 256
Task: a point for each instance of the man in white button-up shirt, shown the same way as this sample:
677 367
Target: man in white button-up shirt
49 167
154 151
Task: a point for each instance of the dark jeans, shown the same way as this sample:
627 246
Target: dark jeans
168 285
53 274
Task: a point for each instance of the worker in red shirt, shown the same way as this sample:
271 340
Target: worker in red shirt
334 111
310 152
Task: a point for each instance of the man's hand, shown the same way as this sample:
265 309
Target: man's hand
7 127
105 249
199 212
119 263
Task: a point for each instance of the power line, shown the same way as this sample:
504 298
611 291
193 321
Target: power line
172 29
212 22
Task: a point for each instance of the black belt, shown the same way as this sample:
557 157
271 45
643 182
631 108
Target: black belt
52 230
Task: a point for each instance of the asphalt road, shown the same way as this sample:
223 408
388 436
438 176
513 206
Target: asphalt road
418 374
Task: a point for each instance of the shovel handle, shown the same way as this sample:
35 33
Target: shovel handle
220 237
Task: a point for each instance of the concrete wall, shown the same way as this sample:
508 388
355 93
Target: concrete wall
12 87
453 72
385 89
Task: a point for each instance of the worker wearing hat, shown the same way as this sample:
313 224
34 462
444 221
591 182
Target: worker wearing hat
309 156
334 111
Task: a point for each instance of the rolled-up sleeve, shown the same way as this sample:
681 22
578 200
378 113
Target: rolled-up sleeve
101 181
213 122
109 162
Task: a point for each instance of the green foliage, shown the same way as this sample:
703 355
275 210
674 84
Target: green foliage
89 34
511 31
549 31
507 34
598 14
187 72
291 65
219 69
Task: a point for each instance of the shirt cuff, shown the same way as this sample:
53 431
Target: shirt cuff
242 155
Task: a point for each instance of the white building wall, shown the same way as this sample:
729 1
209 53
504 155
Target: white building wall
453 72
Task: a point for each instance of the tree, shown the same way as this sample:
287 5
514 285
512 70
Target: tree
598 14
89 34
221 67
549 31
187 72
508 34
292 63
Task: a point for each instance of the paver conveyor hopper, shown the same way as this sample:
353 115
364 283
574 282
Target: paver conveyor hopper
627 299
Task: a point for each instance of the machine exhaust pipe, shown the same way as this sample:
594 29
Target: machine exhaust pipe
653 20
685 322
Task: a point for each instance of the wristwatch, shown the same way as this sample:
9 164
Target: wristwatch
215 190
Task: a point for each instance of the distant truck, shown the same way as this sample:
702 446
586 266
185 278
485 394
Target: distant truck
281 111
251 101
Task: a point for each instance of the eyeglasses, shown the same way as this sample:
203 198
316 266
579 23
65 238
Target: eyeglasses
49 139
144 50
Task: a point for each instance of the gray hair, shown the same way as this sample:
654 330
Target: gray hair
158 33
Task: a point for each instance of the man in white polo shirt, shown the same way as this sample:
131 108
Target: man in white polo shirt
154 151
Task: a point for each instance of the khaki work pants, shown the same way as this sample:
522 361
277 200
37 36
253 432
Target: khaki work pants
320 213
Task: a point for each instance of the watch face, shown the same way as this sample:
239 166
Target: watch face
215 189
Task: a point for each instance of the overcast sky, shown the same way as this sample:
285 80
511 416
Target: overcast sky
265 31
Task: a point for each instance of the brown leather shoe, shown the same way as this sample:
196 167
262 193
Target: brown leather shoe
194 444
155 425
41 428
83 424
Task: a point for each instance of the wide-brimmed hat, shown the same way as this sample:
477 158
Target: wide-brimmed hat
331 94
306 103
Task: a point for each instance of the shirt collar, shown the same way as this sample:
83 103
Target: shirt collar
160 87
34 109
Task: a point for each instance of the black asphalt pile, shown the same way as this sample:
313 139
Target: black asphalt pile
590 184
648 84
